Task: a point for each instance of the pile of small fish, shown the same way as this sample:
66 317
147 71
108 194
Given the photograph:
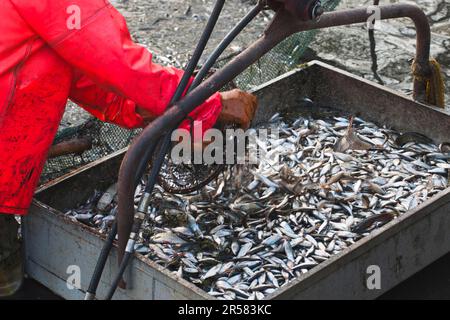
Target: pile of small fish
258 227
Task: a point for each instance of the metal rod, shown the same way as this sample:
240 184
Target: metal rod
107 246
373 47
166 144
181 88
101 262
118 277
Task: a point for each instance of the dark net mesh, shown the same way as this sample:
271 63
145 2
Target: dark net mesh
282 58
108 138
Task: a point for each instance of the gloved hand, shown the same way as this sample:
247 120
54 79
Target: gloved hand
238 107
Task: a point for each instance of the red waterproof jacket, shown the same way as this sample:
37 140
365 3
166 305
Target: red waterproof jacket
54 50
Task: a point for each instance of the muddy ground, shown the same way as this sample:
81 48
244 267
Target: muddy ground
170 29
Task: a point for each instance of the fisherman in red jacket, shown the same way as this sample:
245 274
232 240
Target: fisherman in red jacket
54 50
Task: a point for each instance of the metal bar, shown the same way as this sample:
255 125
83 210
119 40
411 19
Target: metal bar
144 203
101 262
402 10
373 46
283 25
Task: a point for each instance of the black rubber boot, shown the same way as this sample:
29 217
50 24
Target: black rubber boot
11 266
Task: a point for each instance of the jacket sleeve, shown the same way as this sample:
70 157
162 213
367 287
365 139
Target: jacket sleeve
93 37
103 104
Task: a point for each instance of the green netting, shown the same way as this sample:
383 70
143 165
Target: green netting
282 58
108 138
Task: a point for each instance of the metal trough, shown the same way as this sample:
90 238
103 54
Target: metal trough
54 243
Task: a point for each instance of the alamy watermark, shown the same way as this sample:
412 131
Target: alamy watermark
73 21
74 279
373 280
374 18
